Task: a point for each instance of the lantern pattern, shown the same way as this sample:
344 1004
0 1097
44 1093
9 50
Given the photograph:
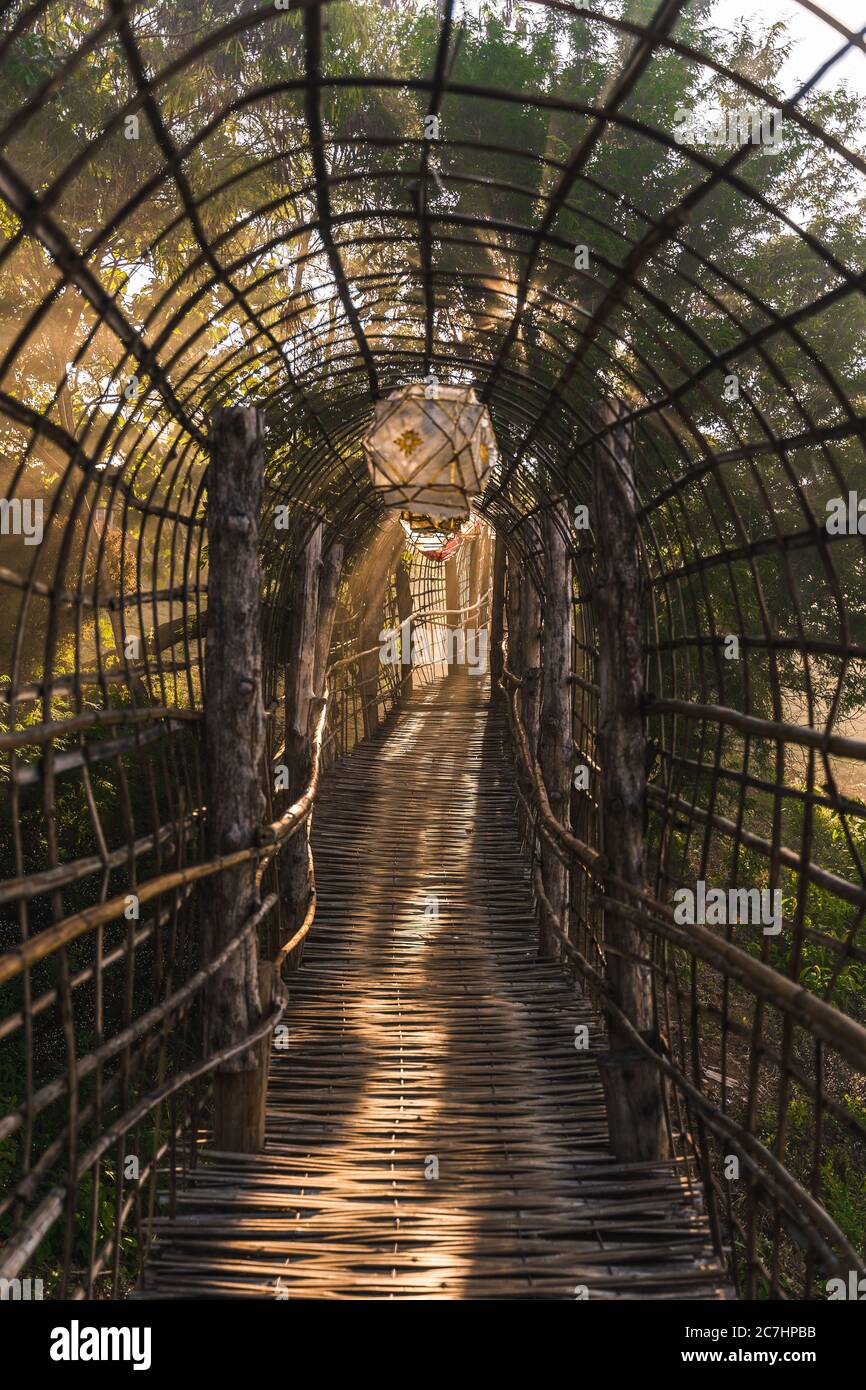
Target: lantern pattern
430 449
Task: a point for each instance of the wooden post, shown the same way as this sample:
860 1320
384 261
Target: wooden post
301 648
524 644
585 811
452 621
515 656
481 615
299 696
404 609
487 581
632 1083
556 746
329 589
497 614
523 649
472 615
371 589
530 651
234 727
310 632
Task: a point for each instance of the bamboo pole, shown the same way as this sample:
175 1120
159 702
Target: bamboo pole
452 604
301 652
512 604
299 697
497 615
329 588
529 618
404 614
556 746
470 621
633 1089
371 583
234 724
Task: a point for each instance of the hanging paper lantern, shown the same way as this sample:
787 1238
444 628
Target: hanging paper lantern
430 449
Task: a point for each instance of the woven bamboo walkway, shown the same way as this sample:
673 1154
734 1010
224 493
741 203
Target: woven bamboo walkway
425 1038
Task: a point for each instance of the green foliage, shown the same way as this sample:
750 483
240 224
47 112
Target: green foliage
844 1191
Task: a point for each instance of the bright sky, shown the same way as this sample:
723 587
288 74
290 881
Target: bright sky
815 39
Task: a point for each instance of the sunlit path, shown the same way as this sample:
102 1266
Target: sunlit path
432 1129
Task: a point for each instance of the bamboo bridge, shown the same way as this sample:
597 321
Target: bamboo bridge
370 826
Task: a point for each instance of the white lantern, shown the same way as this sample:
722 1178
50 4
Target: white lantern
430 449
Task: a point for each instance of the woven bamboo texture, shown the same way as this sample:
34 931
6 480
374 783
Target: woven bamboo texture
433 1129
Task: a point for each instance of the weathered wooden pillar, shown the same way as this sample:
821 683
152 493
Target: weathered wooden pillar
585 814
530 652
632 1083
513 605
452 620
300 693
329 589
484 582
404 609
234 726
497 613
472 614
524 644
371 590
301 646
556 745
